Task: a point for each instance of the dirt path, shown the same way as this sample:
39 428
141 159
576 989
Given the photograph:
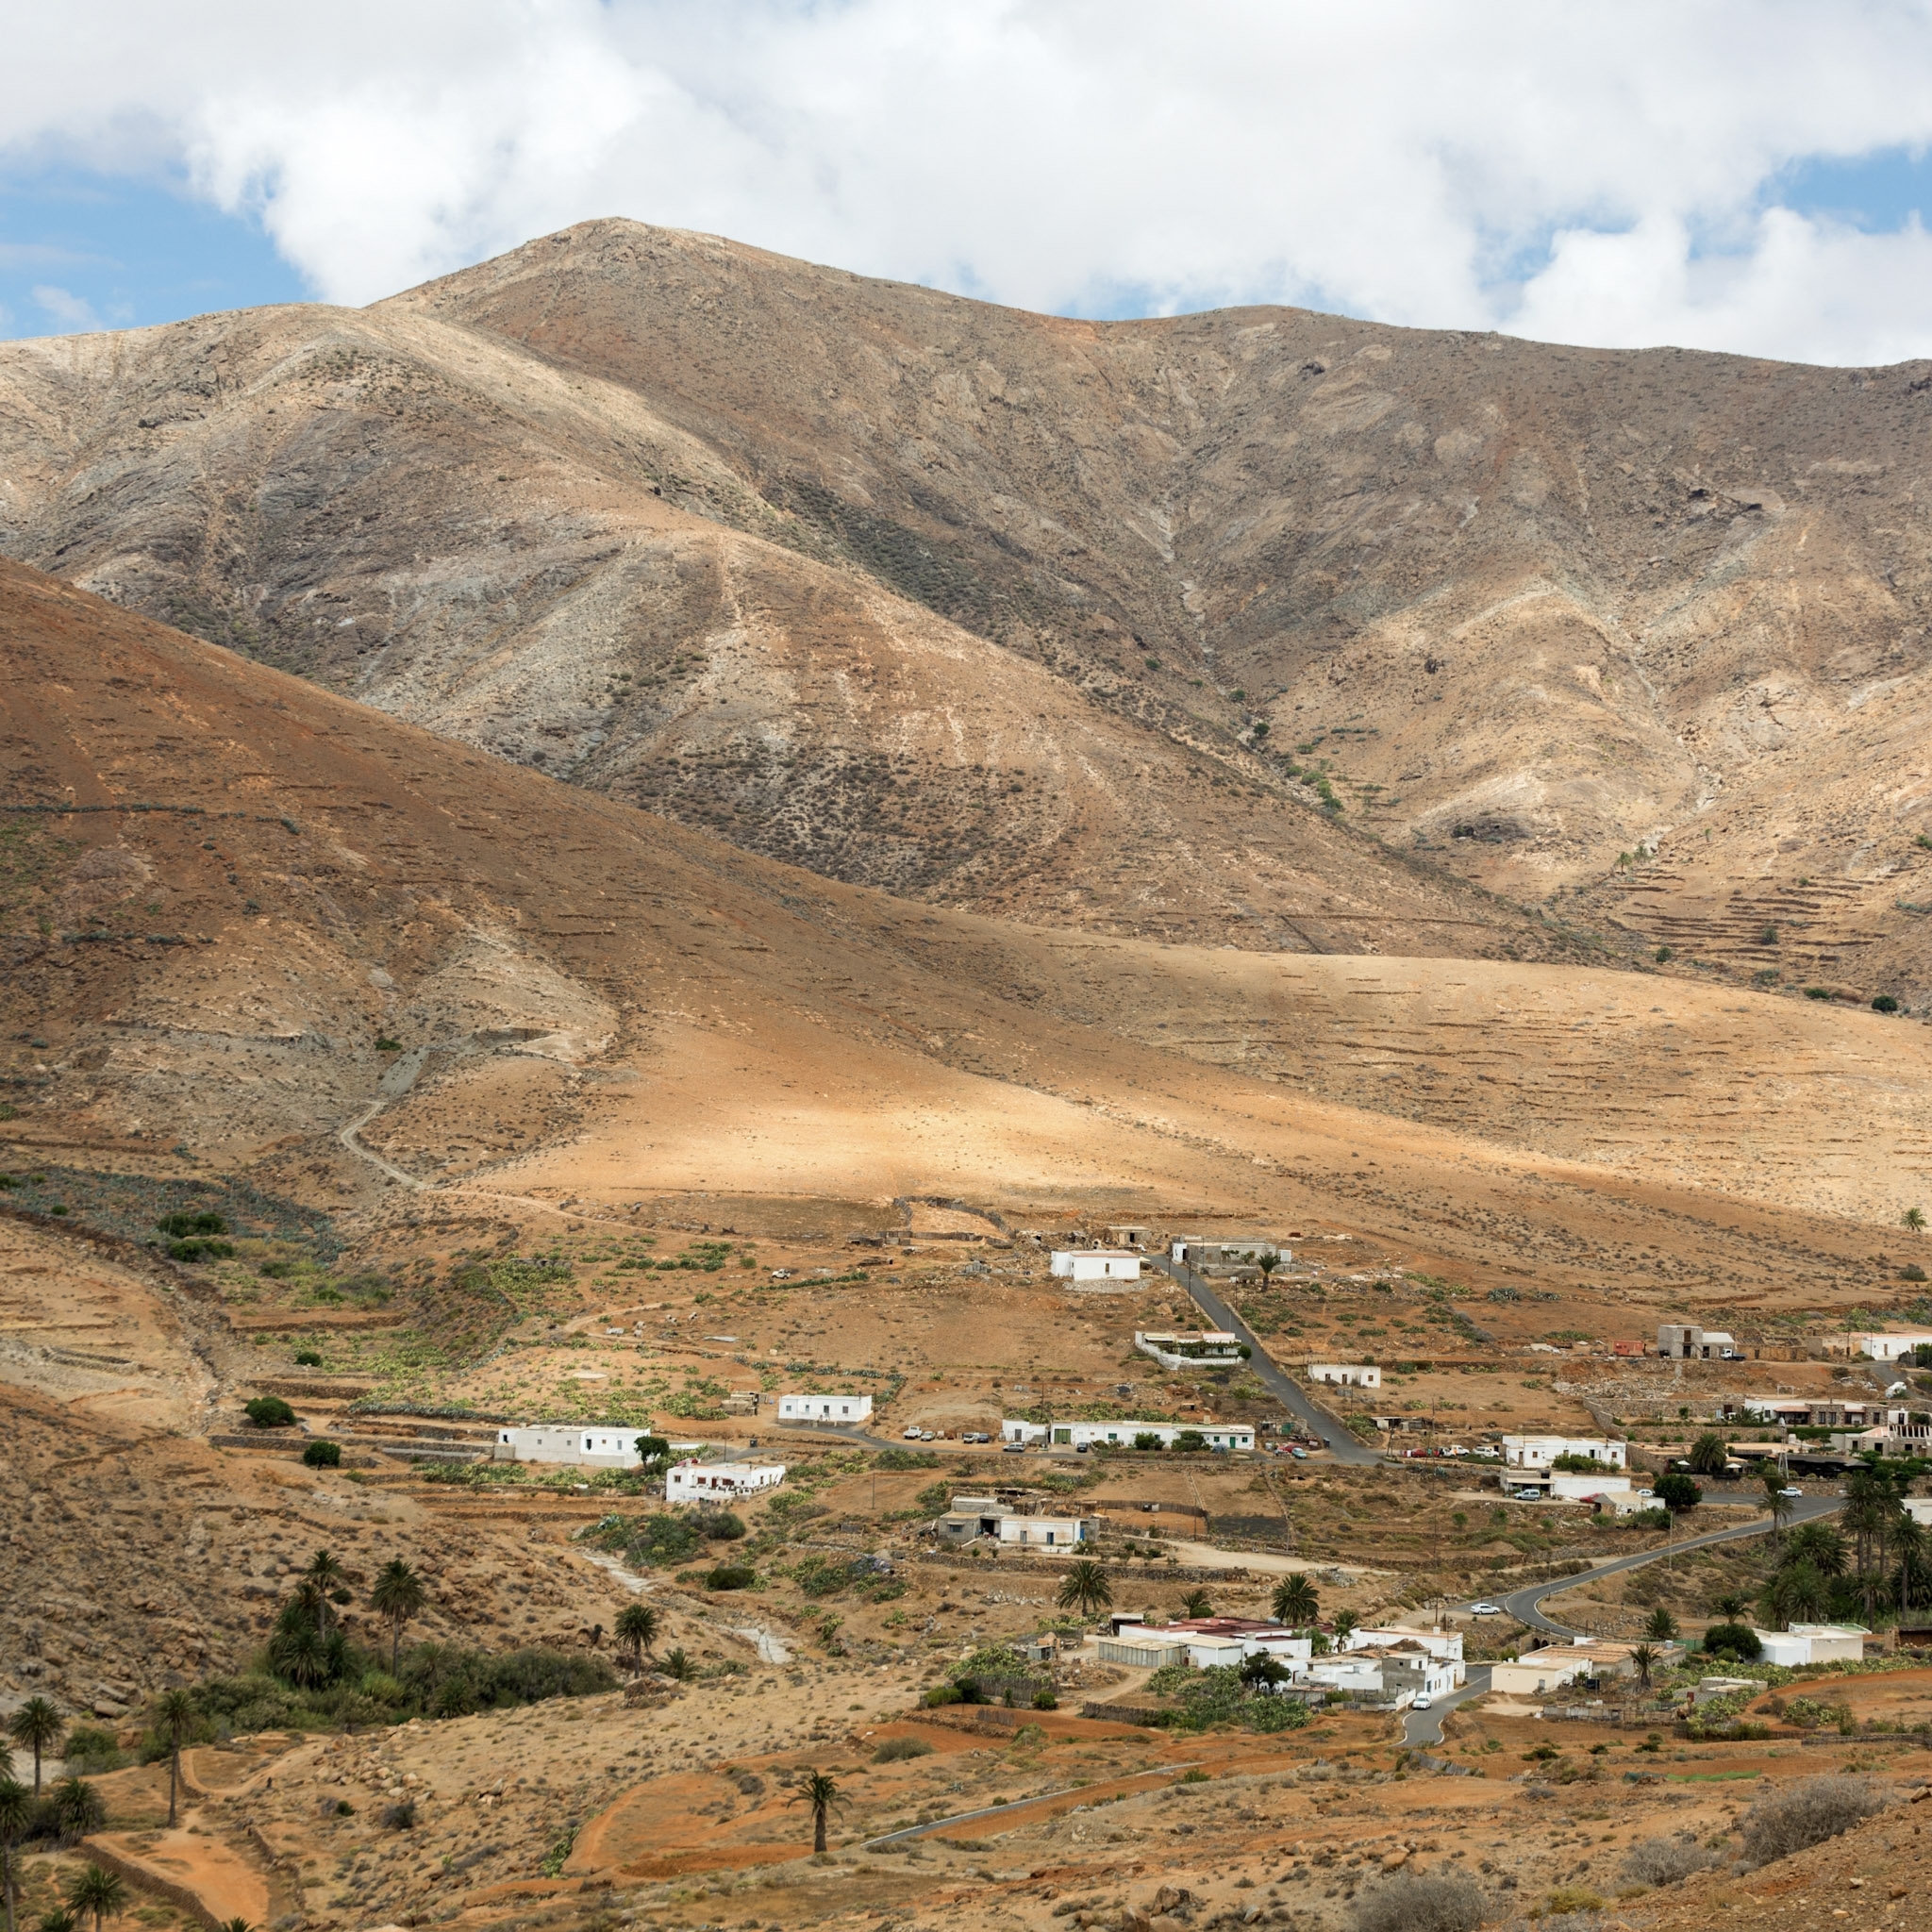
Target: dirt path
204 1873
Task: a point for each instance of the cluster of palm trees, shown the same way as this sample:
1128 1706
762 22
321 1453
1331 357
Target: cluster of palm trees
72 1807
1875 1560
309 1647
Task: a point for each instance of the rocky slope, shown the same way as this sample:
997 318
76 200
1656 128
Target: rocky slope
990 608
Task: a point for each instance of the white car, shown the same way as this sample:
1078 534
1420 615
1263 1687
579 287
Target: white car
1792 1491
910 1435
1528 1496
1423 1703
1486 1609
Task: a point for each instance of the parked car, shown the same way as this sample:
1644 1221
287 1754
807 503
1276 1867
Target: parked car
1012 1448
1528 1495
1790 1490
927 1436
975 1436
910 1435
1423 1703
1486 1609
1299 1455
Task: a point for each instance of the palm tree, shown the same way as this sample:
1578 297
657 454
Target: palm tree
174 1714
1342 1623
299 1655
398 1596
99 1891
1661 1627
78 1807
1773 1480
1911 1551
1085 1588
326 1574
37 1727
1197 1603
1798 1593
236 1926
678 1667
636 1629
1913 1218
1709 1454
1645 1659
820 1790
1820 1545
1730 1605
1294 1601
16 1814
59 1920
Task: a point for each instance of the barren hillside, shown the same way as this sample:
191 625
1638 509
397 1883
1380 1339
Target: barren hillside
990 608
244 915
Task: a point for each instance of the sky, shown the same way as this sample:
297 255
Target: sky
1739 175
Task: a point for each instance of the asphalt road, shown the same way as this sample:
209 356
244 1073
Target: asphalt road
1523 1604
1320 1424
1425 1726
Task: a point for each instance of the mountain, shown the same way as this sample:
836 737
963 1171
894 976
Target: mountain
256 929
450 524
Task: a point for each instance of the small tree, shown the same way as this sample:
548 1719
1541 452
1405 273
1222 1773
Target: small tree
1730 1605
16 1814
637 1629
1773 1484
1294 1601
1643 1659
1913 1218
1678 1492
820 1790
174 1716
322 1454
1662 1626
1709 1454
398 1596
269 1412
1268 1264
97 1890
1197 1603
1739 1639
1342 1623
1085 1588
37 1727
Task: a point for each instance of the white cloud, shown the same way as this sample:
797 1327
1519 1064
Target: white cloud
73 312
1397 158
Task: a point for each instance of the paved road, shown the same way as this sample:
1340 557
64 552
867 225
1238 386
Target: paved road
1524 1604
1425 1726
1322 1426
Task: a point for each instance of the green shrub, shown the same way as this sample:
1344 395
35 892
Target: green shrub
1739 1639
320 1454
943 1693
183 1224
1045 1700
269 1412
731 1577
192 1250
1190 1442
385 1044
716 1525
90 1749
1885 1004
1818 993
895 1749
308 1358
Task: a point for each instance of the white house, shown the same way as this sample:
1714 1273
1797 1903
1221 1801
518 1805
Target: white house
1887 1348
1356 1673
1813 1643
825 1409
1566 1487
1444 1645
1346 1375
1045 1532
1096 1264
1208 1348
1220 1436
1539 1452
599 1445
720 1482
1687 1341
1919 1508
1560 1664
